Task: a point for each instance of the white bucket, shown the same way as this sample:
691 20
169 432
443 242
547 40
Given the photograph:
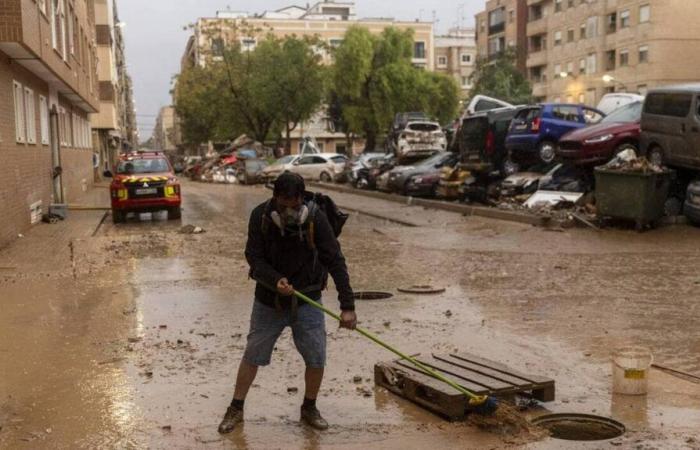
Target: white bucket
631 370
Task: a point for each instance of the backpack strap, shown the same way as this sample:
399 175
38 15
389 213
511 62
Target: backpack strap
265 222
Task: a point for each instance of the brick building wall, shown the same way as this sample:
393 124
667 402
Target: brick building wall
26 169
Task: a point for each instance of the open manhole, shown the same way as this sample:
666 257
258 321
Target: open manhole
372 295
580 427
421 289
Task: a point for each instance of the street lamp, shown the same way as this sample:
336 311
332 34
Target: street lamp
607 79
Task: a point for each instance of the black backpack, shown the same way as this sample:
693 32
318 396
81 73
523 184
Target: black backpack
336 218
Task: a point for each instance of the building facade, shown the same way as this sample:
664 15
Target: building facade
579 50
455 54
48 87
166 135
503 25
113 127
327 20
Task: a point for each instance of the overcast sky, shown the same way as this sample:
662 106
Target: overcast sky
155 39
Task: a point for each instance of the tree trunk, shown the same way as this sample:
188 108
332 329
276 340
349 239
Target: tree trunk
288 143
371 143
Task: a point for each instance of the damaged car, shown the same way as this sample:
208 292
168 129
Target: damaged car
418 139
421 178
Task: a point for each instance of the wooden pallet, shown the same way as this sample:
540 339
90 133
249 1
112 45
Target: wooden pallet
478 375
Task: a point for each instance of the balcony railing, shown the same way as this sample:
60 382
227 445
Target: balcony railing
497 28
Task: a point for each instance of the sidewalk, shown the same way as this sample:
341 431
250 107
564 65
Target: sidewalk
47 249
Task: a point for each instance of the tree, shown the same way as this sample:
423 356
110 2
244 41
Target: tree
500 78
373 79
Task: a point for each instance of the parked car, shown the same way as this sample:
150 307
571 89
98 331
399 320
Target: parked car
614 101
481 103
671 126
691 208
422 177
250 171
283 164
367 177
322 166
144 182
600 143
482 140
360 162
418 139
536 130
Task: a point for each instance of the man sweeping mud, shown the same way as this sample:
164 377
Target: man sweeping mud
291 246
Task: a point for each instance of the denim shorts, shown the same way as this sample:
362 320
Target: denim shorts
266 325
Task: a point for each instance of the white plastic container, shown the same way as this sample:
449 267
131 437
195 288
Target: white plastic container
631 370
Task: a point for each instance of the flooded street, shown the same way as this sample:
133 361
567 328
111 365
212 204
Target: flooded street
136 343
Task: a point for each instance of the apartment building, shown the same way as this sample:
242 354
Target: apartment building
113 127
166 135
502 25
455 54
579 50
328 20
48 87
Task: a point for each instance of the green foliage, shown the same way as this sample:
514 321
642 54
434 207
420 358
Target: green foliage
373 78
258 92
500 78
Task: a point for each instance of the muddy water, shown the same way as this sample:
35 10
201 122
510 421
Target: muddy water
142 354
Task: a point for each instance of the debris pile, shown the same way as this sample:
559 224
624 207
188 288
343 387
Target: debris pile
628 161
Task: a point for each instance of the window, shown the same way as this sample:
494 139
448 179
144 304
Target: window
42 6
557 70
624 58
419 50
511 16
19 112
570 35
341 148
611 23
70 31
610 60
625 19
583 31
442 61
644 13
568 113
592 27
496 45
44 119
557 5
591 64
248 44
465 83
30 115
570 68
217 47
497 17
466 58
643 54
557 38
675 105
582 66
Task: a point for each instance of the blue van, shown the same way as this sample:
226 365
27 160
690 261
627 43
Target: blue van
536 130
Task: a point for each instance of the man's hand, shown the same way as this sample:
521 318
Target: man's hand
348 320
284 288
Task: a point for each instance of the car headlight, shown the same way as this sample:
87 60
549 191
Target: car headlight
598 139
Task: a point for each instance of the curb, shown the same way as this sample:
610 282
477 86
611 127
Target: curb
465 210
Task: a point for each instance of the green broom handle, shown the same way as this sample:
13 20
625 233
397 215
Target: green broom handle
478 399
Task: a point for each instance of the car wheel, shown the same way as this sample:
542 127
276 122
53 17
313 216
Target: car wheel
625 147
174 213
118 216
655 155
547 151
325 177
510 167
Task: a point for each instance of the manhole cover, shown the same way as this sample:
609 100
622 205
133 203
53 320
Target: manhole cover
423 289
580 427
372 295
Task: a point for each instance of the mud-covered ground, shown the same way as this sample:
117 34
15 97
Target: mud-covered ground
136 342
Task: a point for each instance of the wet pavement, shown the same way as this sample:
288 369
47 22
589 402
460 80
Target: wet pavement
133 342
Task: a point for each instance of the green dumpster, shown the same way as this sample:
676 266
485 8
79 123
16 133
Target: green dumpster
636 196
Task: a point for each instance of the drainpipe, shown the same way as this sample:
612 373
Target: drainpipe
56 156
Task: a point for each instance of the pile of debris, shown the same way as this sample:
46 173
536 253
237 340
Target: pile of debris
628 161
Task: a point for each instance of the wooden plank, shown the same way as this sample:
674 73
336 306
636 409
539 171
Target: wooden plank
487 371
475 388
500 367
460 375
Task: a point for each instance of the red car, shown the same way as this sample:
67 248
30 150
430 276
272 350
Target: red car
144 182
599 143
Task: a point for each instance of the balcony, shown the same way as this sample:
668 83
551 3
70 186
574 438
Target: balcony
497 28
540 26
536 59
539 89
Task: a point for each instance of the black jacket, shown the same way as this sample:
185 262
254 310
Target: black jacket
272 256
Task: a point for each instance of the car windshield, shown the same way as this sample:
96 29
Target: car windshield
627 114
434 160
284 160
339 159
135 166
